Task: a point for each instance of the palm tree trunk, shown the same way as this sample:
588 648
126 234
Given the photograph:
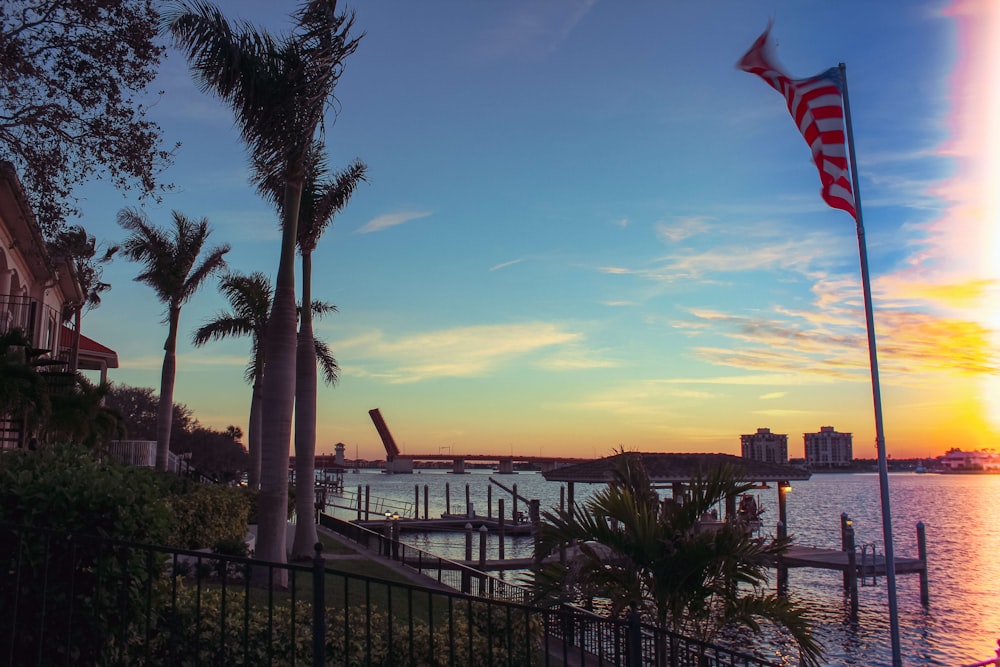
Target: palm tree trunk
165 412
279 395
305 422
254 433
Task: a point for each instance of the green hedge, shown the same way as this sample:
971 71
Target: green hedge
197 631
208 516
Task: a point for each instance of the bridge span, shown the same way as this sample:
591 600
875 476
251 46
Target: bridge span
397 462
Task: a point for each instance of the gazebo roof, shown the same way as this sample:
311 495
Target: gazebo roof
670 468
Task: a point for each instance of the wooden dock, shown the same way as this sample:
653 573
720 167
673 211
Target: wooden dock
835 559
450 524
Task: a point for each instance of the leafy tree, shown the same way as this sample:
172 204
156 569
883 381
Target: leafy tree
175 269
640 553
216 454
139 406
323 196
279 90
71 72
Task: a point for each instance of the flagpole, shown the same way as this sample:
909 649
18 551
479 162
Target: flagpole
883 468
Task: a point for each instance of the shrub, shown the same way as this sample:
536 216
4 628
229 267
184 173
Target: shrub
206 516
66 498
212 626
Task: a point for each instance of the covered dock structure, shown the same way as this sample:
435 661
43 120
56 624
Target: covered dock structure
675 471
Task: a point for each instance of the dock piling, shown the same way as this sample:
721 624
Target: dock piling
447 497
416 501
922 555
426 502
500 525
468 501
851 573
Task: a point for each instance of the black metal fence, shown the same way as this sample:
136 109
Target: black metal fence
73 599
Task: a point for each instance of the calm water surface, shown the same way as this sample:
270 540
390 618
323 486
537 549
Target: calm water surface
961 514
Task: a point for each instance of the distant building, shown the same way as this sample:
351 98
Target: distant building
958 461
765 446
828 448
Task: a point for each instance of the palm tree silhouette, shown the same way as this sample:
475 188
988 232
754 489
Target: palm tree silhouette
173 270
323 196
279 90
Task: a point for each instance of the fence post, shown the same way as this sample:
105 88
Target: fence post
633 650
319 608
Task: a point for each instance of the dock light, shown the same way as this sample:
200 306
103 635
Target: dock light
388 515
786 487
395 516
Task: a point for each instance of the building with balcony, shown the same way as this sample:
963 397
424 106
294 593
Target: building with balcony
36 293
765 446
828 448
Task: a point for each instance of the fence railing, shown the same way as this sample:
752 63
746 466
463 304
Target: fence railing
451 573
75 599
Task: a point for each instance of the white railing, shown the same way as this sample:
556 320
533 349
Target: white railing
134 452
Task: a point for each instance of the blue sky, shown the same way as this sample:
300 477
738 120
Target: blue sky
585 229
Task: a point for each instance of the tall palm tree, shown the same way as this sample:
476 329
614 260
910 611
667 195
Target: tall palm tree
323 196
643 554
279 91
250 299
175 269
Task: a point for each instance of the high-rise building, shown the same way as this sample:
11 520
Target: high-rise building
765 446
828 448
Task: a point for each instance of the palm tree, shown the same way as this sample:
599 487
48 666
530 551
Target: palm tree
173 270
644 555
250 301
323 197
279 91
74 244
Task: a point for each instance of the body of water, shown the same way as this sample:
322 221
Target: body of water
961 625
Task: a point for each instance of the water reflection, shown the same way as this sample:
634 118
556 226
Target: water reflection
962 623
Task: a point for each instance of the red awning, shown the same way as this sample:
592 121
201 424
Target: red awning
92 353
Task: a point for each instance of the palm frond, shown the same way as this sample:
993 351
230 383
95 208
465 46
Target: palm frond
331 371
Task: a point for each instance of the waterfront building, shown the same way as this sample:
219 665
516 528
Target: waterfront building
37 293
958 461
765 446
828 448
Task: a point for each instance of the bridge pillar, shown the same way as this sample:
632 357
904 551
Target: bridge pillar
458 466
399 465
506 467
548 466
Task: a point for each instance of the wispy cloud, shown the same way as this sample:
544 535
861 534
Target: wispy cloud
621 222
457 352
381 222
504 265
773 395
535 26
187 361
682 228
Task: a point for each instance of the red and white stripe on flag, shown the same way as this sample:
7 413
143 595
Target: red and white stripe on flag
817 106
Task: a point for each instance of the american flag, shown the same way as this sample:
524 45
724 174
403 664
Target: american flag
817 106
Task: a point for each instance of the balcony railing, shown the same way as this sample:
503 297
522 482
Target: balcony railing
40 323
